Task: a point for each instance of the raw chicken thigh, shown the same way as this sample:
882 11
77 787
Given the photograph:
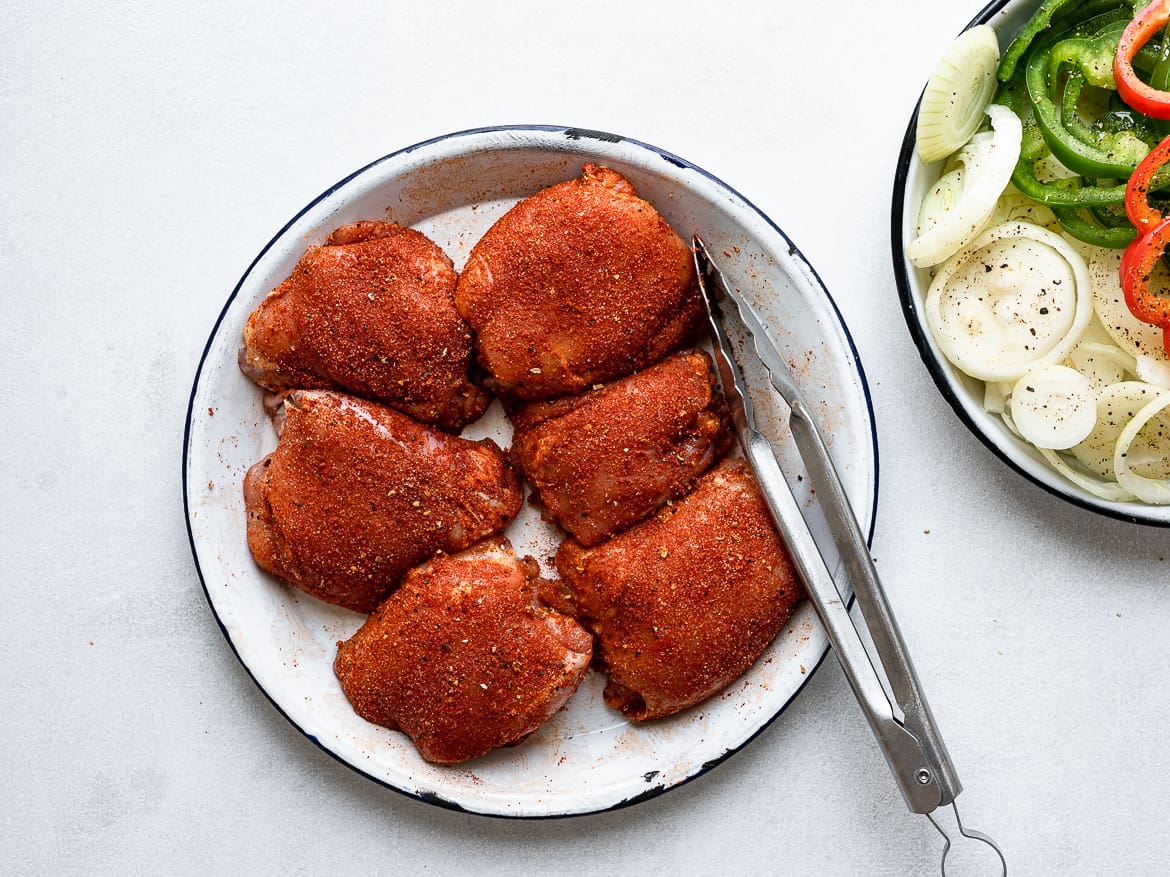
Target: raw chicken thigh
356 493
465 656
371 312
604 459
684 602
579 283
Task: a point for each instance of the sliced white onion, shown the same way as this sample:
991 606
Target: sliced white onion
1102 364
944 196
958 91
1130 333
1054 407
995 396
1116 407
1152 370
988 161
1014 206
1015 298
1049 170
1095 331
1010 424
1142 458
1109 490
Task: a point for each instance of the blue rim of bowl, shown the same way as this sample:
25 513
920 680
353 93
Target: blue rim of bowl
570 134
933 362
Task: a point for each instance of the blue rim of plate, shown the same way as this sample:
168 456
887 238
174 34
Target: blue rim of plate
910 308
570 134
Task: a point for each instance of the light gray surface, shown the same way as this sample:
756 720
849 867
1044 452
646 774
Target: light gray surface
148 153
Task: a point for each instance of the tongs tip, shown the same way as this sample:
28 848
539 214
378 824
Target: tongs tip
709 277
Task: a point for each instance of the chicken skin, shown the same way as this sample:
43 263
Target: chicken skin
356 493
465 656
580 283
684 602
600 461
371 312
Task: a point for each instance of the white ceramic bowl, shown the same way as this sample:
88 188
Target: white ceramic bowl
587 758
965 395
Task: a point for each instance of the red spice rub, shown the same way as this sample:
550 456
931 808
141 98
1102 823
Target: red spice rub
603 460
582 282
372 312
356 494
684 602
464 656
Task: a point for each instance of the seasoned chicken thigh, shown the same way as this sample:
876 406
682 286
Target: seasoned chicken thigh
371 312
356 493
465 656
604 459
582 282
684 602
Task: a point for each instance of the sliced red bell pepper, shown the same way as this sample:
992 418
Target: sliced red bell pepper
1137 190
1142 97
1127 258
1136 267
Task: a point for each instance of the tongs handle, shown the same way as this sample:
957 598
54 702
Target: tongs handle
871 597
903 751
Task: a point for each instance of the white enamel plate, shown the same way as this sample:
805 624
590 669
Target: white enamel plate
588 757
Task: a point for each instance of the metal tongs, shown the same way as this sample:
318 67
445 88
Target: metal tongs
908 735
